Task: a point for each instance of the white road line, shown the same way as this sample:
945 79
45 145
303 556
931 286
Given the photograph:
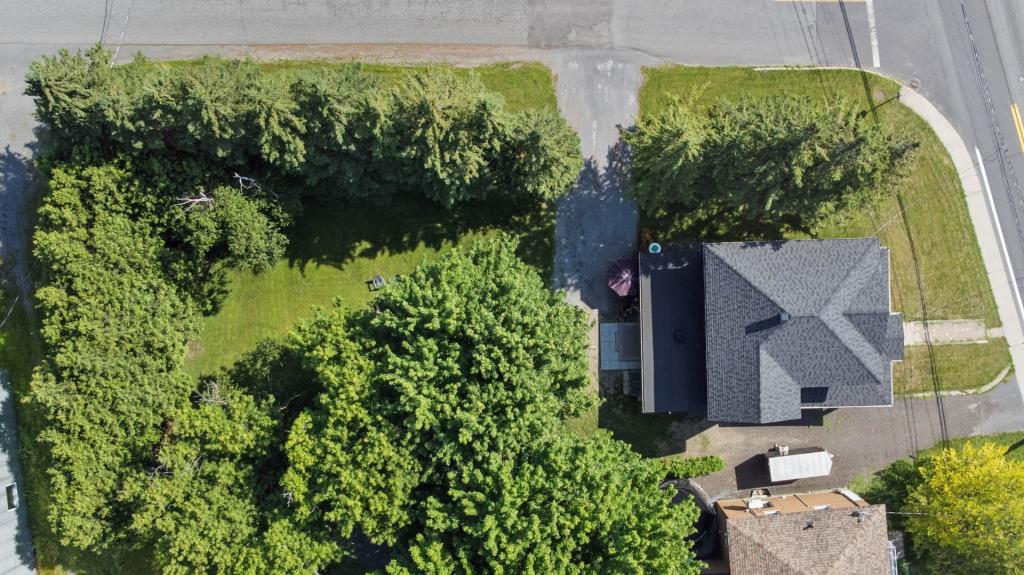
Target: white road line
874 33
999 232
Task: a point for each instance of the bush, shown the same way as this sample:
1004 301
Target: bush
690 467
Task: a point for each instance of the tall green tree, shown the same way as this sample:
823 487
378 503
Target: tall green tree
350 463
115 332
444 131
541 158
439 432
434 133
228 226
211 502
565 505
469 357
345 121
965 517
783 161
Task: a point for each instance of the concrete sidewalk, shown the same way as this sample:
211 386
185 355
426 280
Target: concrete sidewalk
979 208
949 331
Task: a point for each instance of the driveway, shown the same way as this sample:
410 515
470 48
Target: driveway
863 440
597 92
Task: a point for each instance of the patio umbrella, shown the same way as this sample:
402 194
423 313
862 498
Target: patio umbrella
622 277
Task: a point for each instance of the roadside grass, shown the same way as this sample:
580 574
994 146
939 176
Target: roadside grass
335 249
937 270
524 85
879 486
955 366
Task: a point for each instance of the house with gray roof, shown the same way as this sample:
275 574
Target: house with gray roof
787 326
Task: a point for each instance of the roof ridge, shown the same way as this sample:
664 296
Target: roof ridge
753 535
746 280
861 529
834 312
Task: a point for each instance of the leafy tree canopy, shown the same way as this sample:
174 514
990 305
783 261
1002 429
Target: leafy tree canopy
116 331
782 161
468 358
565 505
435 133
966 517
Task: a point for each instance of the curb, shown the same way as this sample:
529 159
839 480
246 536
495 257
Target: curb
981 215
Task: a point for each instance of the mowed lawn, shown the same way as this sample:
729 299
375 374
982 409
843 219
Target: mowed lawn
335 249
937 271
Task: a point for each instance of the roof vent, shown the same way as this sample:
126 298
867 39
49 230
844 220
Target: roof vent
783 316
810 525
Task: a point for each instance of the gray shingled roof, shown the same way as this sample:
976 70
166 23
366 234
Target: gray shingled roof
834 348
822 542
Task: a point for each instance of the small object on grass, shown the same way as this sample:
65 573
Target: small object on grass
377 282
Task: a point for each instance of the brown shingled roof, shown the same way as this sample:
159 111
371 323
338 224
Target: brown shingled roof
820 542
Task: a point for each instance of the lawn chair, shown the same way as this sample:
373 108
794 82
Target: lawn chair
377 282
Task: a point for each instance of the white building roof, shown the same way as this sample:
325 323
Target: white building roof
799 464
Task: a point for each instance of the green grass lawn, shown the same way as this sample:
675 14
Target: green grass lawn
524 85
937 271
335 249
956 366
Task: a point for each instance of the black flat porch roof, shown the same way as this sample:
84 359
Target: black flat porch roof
672 358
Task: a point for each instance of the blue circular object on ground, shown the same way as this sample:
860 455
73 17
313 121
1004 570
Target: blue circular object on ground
654 248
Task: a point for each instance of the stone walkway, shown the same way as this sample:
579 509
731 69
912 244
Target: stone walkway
948 332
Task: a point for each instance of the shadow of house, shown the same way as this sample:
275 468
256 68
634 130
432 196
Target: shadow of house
596 226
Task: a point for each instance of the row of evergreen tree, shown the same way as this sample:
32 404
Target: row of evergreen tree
337 131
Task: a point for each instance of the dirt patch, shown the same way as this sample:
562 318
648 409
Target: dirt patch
193 349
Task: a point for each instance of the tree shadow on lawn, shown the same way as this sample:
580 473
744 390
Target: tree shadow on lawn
675 224
336 233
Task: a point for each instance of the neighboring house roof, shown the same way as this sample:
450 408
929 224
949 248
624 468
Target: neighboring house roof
833 541
794 324
672 331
